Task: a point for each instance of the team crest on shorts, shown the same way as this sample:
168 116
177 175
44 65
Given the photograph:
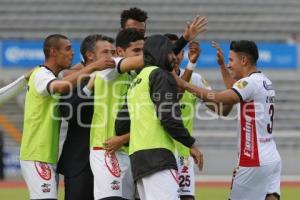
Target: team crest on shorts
112 164
185 169
115 185
46 187
43 170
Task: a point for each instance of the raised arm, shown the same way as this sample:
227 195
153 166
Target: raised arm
222 109
195 27
192 29
193 54
222 99
227 79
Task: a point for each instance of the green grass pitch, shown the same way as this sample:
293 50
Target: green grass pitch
204 193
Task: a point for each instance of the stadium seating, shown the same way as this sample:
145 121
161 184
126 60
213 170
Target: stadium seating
272 20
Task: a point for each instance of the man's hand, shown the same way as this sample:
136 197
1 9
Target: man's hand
198 25
104 63
198 156
194 51
116 142
113 144
28 74
220 54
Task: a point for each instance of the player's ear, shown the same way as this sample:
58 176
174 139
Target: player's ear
244 60
120 52
90 56
53 52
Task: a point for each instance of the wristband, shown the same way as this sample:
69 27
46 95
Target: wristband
87 91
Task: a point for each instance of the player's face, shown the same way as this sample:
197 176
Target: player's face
178 60
135 49
64 54
139 26
114 51
235 65
172 60
103 49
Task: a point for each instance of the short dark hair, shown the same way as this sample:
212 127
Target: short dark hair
126 36
89 43
171 36
52 41
133 13
247 47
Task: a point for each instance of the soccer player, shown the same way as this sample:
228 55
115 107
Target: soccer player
134 18
14 88
151 98
257 175
112 171
188 102
78 110
39 146
129 43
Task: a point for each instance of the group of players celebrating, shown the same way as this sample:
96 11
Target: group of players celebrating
129 109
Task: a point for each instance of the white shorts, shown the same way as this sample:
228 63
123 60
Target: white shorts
186 176
41 179
162 185
112 174
250 183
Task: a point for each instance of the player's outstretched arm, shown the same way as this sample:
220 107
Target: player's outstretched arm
227 97
66 84
131 63
28 74
14 88
73 69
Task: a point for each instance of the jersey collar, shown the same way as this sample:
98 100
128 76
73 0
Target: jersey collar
254 73
48 69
